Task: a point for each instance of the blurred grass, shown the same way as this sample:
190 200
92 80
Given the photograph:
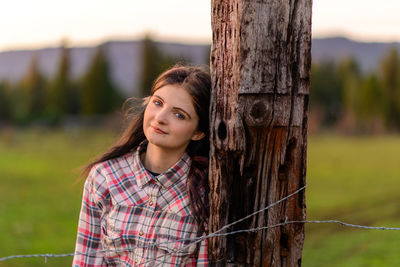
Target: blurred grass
39 193
354 179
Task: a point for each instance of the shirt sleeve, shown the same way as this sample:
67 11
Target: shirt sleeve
199 259
202 259
88 242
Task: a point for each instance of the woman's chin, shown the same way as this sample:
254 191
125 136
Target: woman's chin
158 140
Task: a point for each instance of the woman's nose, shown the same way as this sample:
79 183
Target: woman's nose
161 115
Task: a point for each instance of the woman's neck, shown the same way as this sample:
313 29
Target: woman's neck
158 160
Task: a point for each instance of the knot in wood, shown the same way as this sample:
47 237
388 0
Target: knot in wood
258 110
222 132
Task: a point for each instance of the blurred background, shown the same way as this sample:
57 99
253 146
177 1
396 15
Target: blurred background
66 67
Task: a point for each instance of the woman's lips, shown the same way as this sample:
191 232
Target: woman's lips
158 130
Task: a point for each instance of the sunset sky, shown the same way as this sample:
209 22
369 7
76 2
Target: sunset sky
26 24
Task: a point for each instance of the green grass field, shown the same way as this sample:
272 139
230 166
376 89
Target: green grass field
354 180
39 193
350 179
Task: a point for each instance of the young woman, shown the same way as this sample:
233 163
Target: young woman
145 200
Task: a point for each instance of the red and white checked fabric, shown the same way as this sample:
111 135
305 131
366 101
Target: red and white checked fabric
141 220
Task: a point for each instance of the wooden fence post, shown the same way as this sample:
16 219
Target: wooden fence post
260 67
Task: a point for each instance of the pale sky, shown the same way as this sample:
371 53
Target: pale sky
41 23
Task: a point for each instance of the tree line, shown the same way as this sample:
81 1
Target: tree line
344 98
48 100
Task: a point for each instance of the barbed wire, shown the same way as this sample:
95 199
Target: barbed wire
195 241
306 221
202 238
216 233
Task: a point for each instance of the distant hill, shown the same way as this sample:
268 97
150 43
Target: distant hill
125 58
368 55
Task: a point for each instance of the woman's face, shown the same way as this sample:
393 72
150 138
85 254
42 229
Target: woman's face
170 120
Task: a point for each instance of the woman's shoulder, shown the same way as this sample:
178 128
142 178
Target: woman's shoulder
114 167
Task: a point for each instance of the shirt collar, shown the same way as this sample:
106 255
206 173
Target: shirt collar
175 174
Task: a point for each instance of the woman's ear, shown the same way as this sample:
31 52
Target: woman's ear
198 135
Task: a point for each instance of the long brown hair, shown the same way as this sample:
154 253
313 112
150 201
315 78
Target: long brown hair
197 82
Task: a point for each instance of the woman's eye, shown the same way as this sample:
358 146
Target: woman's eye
157 102
179 116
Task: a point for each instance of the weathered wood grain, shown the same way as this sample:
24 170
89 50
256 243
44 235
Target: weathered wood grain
260 67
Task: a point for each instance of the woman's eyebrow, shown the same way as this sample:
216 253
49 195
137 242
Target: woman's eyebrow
178 108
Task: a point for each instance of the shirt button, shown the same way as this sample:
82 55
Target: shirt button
141 233
151 203
137 260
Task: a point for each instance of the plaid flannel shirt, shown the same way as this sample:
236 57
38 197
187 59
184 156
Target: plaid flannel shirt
131 218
